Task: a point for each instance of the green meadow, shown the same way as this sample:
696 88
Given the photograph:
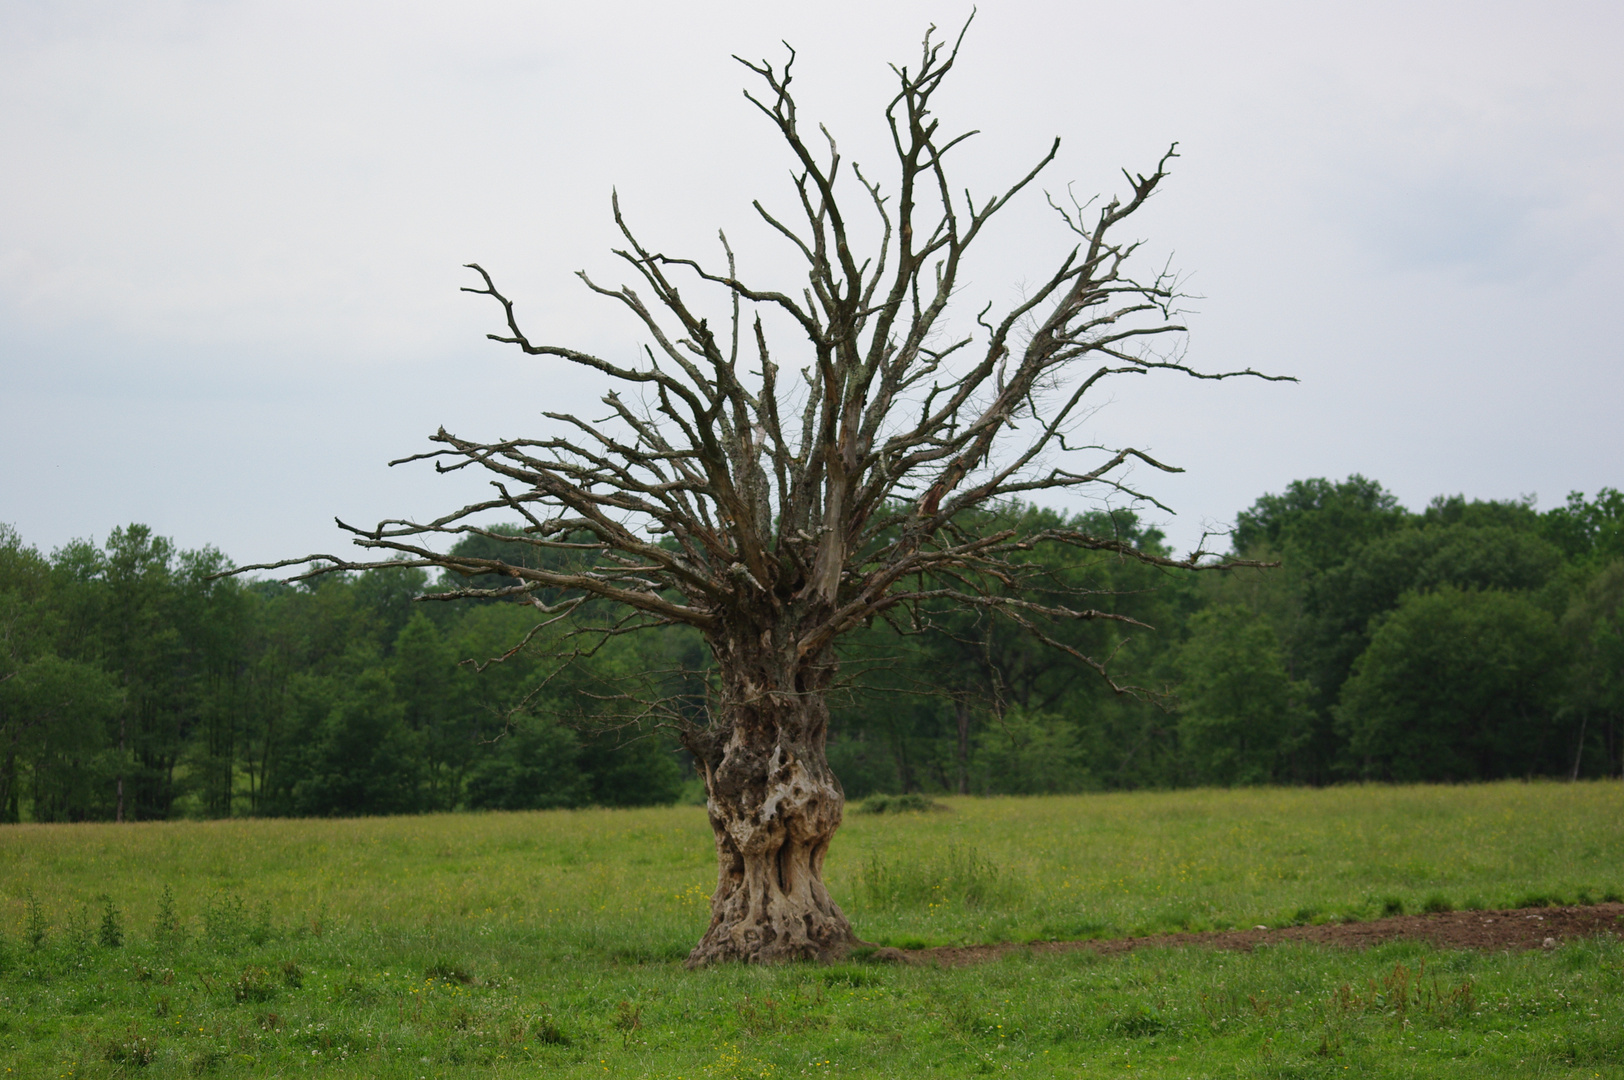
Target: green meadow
551 943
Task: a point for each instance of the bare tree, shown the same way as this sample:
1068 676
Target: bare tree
774 518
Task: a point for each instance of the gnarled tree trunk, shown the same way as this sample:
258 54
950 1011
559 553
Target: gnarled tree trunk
774 805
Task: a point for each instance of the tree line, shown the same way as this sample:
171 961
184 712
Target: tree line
1468 641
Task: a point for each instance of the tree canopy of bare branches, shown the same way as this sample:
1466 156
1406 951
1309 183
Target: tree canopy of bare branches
775 494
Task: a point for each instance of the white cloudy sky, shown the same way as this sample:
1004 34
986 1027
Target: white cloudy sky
231 233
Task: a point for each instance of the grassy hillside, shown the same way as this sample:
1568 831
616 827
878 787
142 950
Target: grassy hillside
488 944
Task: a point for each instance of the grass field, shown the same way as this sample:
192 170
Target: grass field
551 943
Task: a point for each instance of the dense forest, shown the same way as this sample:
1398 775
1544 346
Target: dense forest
1468 641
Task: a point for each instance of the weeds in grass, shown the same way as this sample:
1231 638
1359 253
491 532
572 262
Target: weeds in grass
448 971
1402 991
77 935
355 990
548 1033
110 934
262 929
1139 1022
628 1017
166 929
253 985
225 920
133 1049
846 975
35 928
206 1061
958 876
1437 904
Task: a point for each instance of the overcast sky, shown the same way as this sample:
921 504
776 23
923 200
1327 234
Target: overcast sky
231 234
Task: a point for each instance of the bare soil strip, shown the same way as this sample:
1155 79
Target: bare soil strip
1526 928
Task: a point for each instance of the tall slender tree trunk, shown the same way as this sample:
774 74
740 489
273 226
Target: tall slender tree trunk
1579 754
774 806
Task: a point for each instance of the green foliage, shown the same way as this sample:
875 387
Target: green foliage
1028 752
1241 716
362 758
1591 530
1318 521
110 934
133 683
35 928
166 928
130 682
535 766
1452 688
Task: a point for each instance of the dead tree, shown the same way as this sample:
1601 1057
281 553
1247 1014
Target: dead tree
773 512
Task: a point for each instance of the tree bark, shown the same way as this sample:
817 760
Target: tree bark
774 806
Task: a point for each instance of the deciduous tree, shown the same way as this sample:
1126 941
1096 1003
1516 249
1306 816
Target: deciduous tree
775 494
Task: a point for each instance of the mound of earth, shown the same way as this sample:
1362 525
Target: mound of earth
1526 928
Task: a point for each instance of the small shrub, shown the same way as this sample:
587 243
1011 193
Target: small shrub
133 1049
1139 1022
846 975
962 1016
1437 904
166 927
356 991
447 971
206 1061
225 919
628 1017
111 932
261 930
549 1033
35 928
1393 905
77 933
911 803
254 984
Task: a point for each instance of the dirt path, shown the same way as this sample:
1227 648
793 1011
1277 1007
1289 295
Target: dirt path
1528 928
